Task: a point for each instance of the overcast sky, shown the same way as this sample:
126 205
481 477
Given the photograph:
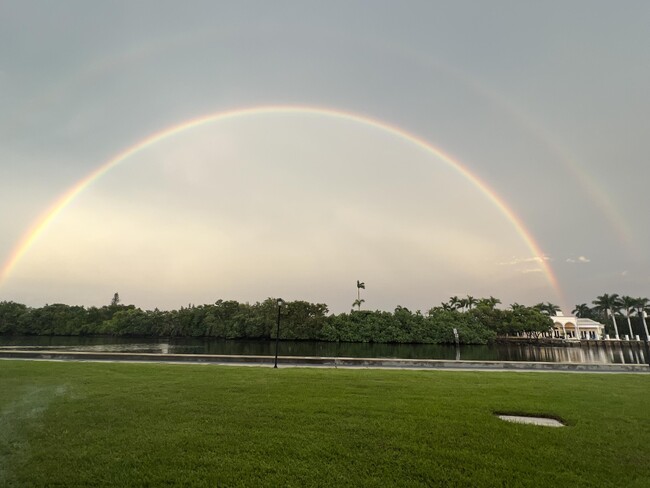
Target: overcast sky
545 103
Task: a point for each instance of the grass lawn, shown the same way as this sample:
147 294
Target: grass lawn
111 424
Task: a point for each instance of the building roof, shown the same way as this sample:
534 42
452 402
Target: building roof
588 323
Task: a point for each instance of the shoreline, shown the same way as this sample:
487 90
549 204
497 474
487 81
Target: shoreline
325 362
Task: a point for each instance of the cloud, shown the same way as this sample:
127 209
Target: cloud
581 259
532 270
515 261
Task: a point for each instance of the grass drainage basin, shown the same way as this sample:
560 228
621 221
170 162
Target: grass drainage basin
525 419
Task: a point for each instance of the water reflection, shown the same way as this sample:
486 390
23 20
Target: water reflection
610 353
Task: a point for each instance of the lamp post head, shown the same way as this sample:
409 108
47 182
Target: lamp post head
280 302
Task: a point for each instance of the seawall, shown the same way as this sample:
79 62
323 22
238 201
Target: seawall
332 362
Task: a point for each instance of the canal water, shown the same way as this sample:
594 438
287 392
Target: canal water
602 354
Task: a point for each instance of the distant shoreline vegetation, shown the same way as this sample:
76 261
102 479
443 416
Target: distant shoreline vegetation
477 322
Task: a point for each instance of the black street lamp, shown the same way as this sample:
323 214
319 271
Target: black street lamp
277 332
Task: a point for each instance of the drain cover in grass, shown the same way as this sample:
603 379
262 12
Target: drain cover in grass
521 419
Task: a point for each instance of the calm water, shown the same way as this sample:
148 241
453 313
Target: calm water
498 352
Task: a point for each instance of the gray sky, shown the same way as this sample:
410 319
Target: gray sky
546 103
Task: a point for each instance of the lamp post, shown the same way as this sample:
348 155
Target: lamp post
277 332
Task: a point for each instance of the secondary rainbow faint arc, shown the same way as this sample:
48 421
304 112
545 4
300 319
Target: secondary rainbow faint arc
59 205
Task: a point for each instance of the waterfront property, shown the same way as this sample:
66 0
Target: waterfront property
570 327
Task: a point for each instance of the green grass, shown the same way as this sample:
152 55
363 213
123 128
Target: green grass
92 424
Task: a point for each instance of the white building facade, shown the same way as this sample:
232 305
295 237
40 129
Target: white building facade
570 327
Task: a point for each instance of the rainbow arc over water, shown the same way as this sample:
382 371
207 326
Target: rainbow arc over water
48 217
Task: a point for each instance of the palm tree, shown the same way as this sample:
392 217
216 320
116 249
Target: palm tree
608 304
360 285
489 302
454 302
551 308
581 311
641 308
517 306
357 303
547 308
470 301
628 304
494 301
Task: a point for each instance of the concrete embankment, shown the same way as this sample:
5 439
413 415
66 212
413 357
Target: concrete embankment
332 362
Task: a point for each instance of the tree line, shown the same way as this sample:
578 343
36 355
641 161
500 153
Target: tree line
300 320
477 321
620 314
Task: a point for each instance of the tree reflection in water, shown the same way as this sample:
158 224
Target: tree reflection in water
609 353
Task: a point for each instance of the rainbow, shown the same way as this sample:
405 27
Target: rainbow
587 181
42 223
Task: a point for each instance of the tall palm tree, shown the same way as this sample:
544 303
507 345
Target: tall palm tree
360 285
471 301
581 311
641 308
608 304
628 304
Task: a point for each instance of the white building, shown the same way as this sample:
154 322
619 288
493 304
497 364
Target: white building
569 327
